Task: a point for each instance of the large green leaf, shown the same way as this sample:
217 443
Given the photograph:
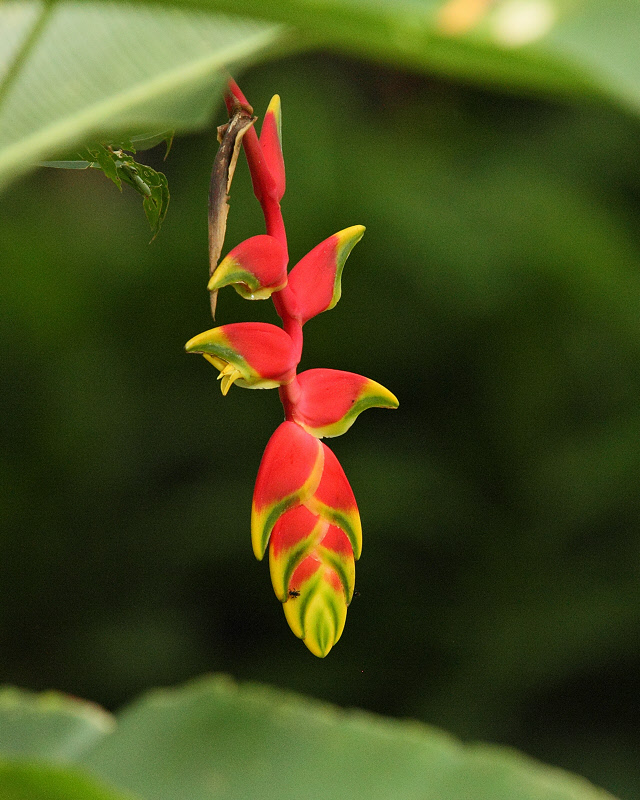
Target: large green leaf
553 46
21 781
48 726
215 739
73 70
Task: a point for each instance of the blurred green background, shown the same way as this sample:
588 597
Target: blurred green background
496 292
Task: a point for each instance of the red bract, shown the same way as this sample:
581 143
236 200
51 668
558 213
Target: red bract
255 354
271 145
304 511
330 400
289 474
255 268
316 279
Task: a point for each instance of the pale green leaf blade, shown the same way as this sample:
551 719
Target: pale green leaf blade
19 21
22 781
66 164
78 70
216 739
49 726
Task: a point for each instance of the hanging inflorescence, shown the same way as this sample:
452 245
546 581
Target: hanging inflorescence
304 511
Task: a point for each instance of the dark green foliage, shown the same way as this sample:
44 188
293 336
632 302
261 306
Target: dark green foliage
119 166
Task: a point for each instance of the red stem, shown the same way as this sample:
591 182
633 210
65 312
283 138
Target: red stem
264 190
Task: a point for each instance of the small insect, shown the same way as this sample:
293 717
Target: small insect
356 594
294 593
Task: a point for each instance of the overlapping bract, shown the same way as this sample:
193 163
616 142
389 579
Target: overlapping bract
313 574
303 512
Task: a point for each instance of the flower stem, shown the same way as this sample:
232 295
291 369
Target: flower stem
265 191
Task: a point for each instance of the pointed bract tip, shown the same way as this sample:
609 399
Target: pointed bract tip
347 239
353 233
275 108
317 611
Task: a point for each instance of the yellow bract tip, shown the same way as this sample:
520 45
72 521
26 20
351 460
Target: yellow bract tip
275 108
384 397
351 235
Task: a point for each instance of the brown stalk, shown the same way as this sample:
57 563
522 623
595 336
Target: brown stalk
224 165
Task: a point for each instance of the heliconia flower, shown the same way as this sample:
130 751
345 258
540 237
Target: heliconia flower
303 511
316 278
271 144
313 573
330 400
289 473
256 355
255 268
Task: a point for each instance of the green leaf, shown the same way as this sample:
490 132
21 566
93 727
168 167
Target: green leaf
50 726
565 47
37 782
119 166
76 71
156 204
146 141
109 162
71 70
66 164
214 738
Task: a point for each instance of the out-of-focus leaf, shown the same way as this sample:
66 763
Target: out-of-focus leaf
49 726
72 71
119 166
38 782
213 738
551 46
146 141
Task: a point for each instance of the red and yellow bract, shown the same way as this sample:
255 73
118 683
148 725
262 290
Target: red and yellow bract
303 511
255 268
